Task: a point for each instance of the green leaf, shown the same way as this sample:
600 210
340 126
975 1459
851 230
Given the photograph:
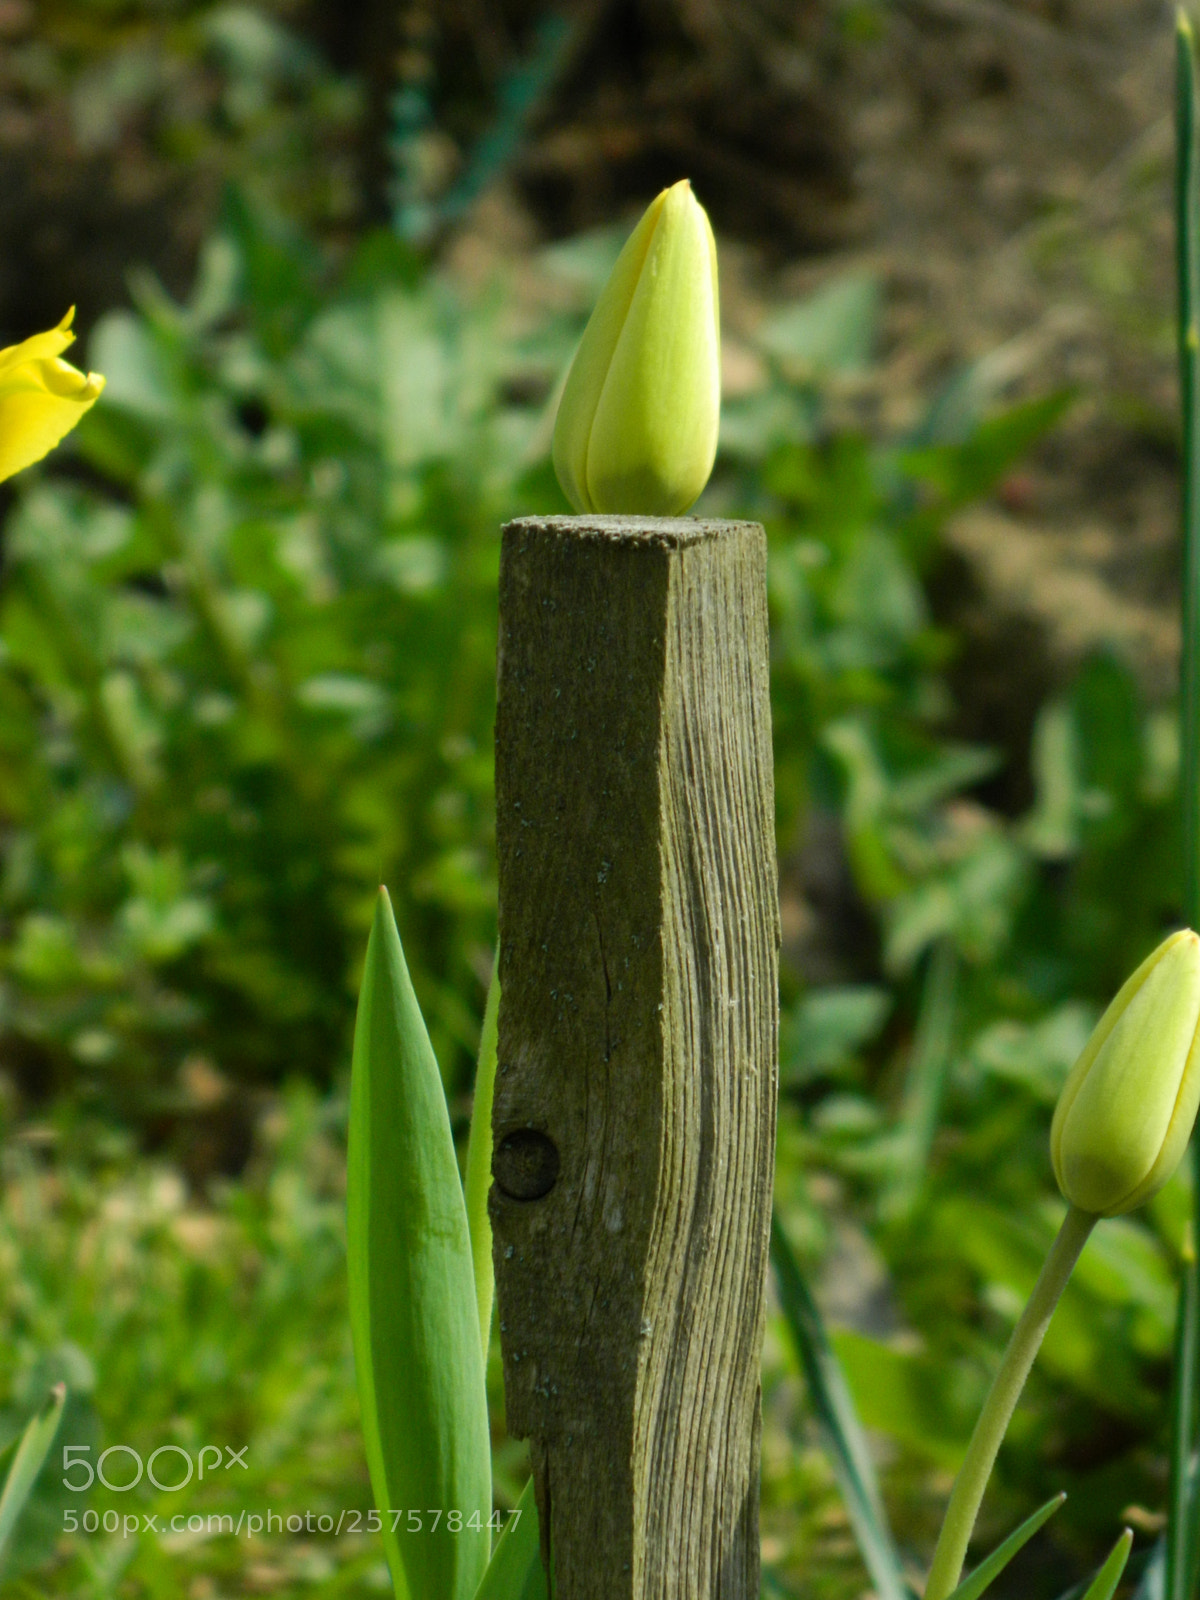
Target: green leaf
479 1161
1036 1055
914 1397
412 1302
927 1071
969 470
31 1452
1104 1584
839 1424
988 1570
515 1571
827 1027
829 331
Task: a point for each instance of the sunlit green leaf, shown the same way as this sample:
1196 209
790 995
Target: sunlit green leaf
515 1571
412 1299
920 1402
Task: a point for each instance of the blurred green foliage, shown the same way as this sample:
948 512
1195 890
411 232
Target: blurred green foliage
247 642
186 1328
257 679
913 1173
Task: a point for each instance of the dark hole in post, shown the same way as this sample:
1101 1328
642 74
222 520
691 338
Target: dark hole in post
525 1164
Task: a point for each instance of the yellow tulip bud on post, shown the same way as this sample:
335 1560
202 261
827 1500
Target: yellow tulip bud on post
1120 1129
41 396
637 423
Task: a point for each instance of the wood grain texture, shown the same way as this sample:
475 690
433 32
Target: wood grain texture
638 1037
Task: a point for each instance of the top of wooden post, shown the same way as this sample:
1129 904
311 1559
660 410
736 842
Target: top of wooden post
670 533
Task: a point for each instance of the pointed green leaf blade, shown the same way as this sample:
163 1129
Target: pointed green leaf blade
31 1452
1104 1585
515 1571
479 1161
989 1569
838 1420
412 1300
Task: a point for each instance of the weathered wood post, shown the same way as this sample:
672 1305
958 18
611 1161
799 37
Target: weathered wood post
634 1117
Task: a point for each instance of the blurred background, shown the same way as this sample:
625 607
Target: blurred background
333 259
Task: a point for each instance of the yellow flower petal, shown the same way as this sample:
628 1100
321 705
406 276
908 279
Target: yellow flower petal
41 397
40 347
585 382
653 438
34 417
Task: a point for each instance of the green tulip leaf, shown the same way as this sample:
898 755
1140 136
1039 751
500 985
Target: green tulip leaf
1103 1585
842 1433
412 1300
479 1162
31 1452
988 1570
515 1571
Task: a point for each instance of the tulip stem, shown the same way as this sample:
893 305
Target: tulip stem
1189 360
1187 1344
1027 1336
1181 1509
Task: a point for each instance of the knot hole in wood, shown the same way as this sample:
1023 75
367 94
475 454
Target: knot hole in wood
525 1164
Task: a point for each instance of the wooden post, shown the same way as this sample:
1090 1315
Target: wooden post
634 1116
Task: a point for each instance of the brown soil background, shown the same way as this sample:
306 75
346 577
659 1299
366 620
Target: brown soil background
1014 168
1002 166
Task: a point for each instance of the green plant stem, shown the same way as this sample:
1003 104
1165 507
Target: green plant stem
1189 372
967 1495
1187 1341
926 1080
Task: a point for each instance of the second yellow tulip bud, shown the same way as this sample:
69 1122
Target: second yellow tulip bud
1125 1113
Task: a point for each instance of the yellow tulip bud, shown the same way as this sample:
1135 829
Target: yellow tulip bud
637 424
1125 1113
41 397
